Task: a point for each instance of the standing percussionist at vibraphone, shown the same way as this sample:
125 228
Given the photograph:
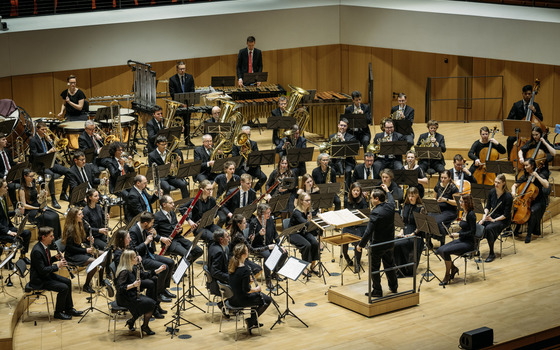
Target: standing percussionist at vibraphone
160 156
295 140
179 83
249 60
254 170
357 107
153 126
205 202
89 139
278 112
75 103
325 174
117 164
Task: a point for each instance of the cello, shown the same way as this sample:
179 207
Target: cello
523 200
481 175
538 154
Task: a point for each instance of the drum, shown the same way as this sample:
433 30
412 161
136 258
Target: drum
126 122
72 131
127 111
22 127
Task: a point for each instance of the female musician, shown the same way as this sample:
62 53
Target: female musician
29 199
305 240
528 149
120 241
465 242
484 142
411 165
324 173
404 248
538 206
127 283
355 199
307 185
444 190
435 139
73 236
240 282
238 226
497 213
74 101
205 202
282 171
387 179
94 219
221 181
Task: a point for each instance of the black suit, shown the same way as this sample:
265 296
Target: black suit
517 112
42 276
408 115
176 87
277 112
152 127
348 164
76 177
360 173
254 171
179 245
391 162
437 164
168 181
243 62
381 228
301 142
6 226
13 186
234 203
135 204
112 164
320 177
206 173
36 148
363 135
218 266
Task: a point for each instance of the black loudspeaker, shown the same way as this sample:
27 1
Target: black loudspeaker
477 338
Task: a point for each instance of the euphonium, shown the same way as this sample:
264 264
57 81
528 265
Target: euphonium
170 120
173 158
243 140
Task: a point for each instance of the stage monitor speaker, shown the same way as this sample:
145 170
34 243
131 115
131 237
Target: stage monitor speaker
477 338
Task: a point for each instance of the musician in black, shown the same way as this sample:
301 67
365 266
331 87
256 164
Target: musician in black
218 264
75 106
293 141
519 111
205 202
214 119
43 276
179 83
484 142
117 164
82 172
404 248
364 170
138 199
497 213
380 229
357 107
404 111
204 154
529 148
346 165
95 219
8 232
282 171
6 163
245 196
228 176
88 139
538 206
41 144
238 229
304 240
160 156
254 170
249 60
278 112
324 173
411 165
460 171
432 139
355 199
444 189
387 177
153 126
387 161
142 240
165 222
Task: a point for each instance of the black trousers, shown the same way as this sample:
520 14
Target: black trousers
25 238
456 247
164 277
62 171
307 245
386 163
436 164
491 231
385 255
180 245
63 286
443 219
181 184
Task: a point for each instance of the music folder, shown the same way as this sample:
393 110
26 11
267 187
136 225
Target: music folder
42 162
15 171
280 122
228 80
261 158
355 121
251 78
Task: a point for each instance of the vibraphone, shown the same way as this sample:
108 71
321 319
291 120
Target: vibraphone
253 92
325 110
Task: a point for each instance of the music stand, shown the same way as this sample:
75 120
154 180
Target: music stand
399 222
279 203
223 81
246 211
288 183
480 191
500 167
298 155
207 218
403 126
124 182
78 193
261 158
162 172
104 152
42 162
393 148
369 184
280 122
517 129
218 166
90 154
406 177
189 169
217 128
355 121
169 132
322 200
427 224
430 153
96 264
15 172
188 98
251 78
345 149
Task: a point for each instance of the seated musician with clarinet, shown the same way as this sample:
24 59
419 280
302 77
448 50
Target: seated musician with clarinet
82 172
138 200
6 163
160 156
444 190
387 161
432 139
364 171
204 203
253 170
404 111
324 173
279 112
75 106
282 171
293 140
204 154
543 155
305 240
218 264
485 148
165 222
97 219
8 232
519 112
245 196
357 107
153 126
355 199
346 165
117 164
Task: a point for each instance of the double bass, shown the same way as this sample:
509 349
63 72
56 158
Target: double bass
481 175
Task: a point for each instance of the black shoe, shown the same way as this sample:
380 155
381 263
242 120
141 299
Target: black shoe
269 284
225 314
157 315
54 203
63 197
160 310
490 258
147 330
26 260
74 312
394 290
62 316
163 299
87 288
130 324
375 294
168 294
349 261
528 238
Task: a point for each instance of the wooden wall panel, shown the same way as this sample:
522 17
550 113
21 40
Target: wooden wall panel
108 81
289 68
478 88
165 70
328 68
359 58
6 88
309 67
555 118
60 84
517 74
493 108
34 93
446 89
382 61
204 69
344 69
271 65
546 92
228 65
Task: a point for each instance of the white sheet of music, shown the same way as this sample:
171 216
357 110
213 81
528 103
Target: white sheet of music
273 258
180 271
293 268
340 217
96 262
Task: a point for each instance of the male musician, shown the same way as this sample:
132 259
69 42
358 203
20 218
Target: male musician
245 196
8 232
74 103
82 172
153 126
117 164
387 161
203 154
406 112
43 276
254 170
294 141
249 60
460 170
214 119
179 83
6 163
344 167
436 140
484 142
138 199
357 107
381 228
142 237
321 175
158 157
218 262
278 112
365 171
40 144
205 202
89 139
165 221
519 112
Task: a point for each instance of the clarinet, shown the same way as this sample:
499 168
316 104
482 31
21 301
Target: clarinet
256 285
138 264
67 267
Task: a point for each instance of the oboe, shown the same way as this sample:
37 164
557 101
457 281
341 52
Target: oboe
67 267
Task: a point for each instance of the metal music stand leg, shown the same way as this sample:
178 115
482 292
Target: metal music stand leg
426 275
322 268
91 297
188 294
287 312
172 327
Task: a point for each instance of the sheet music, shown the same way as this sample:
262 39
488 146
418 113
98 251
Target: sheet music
96 262
180 271
273 258
293 268
340 217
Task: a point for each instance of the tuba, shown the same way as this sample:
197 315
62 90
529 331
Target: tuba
227 115
301 115
170 120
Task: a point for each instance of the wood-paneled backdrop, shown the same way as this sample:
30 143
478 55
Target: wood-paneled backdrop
332 67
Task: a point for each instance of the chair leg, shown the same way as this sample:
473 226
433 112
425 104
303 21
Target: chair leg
48 309
465 275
